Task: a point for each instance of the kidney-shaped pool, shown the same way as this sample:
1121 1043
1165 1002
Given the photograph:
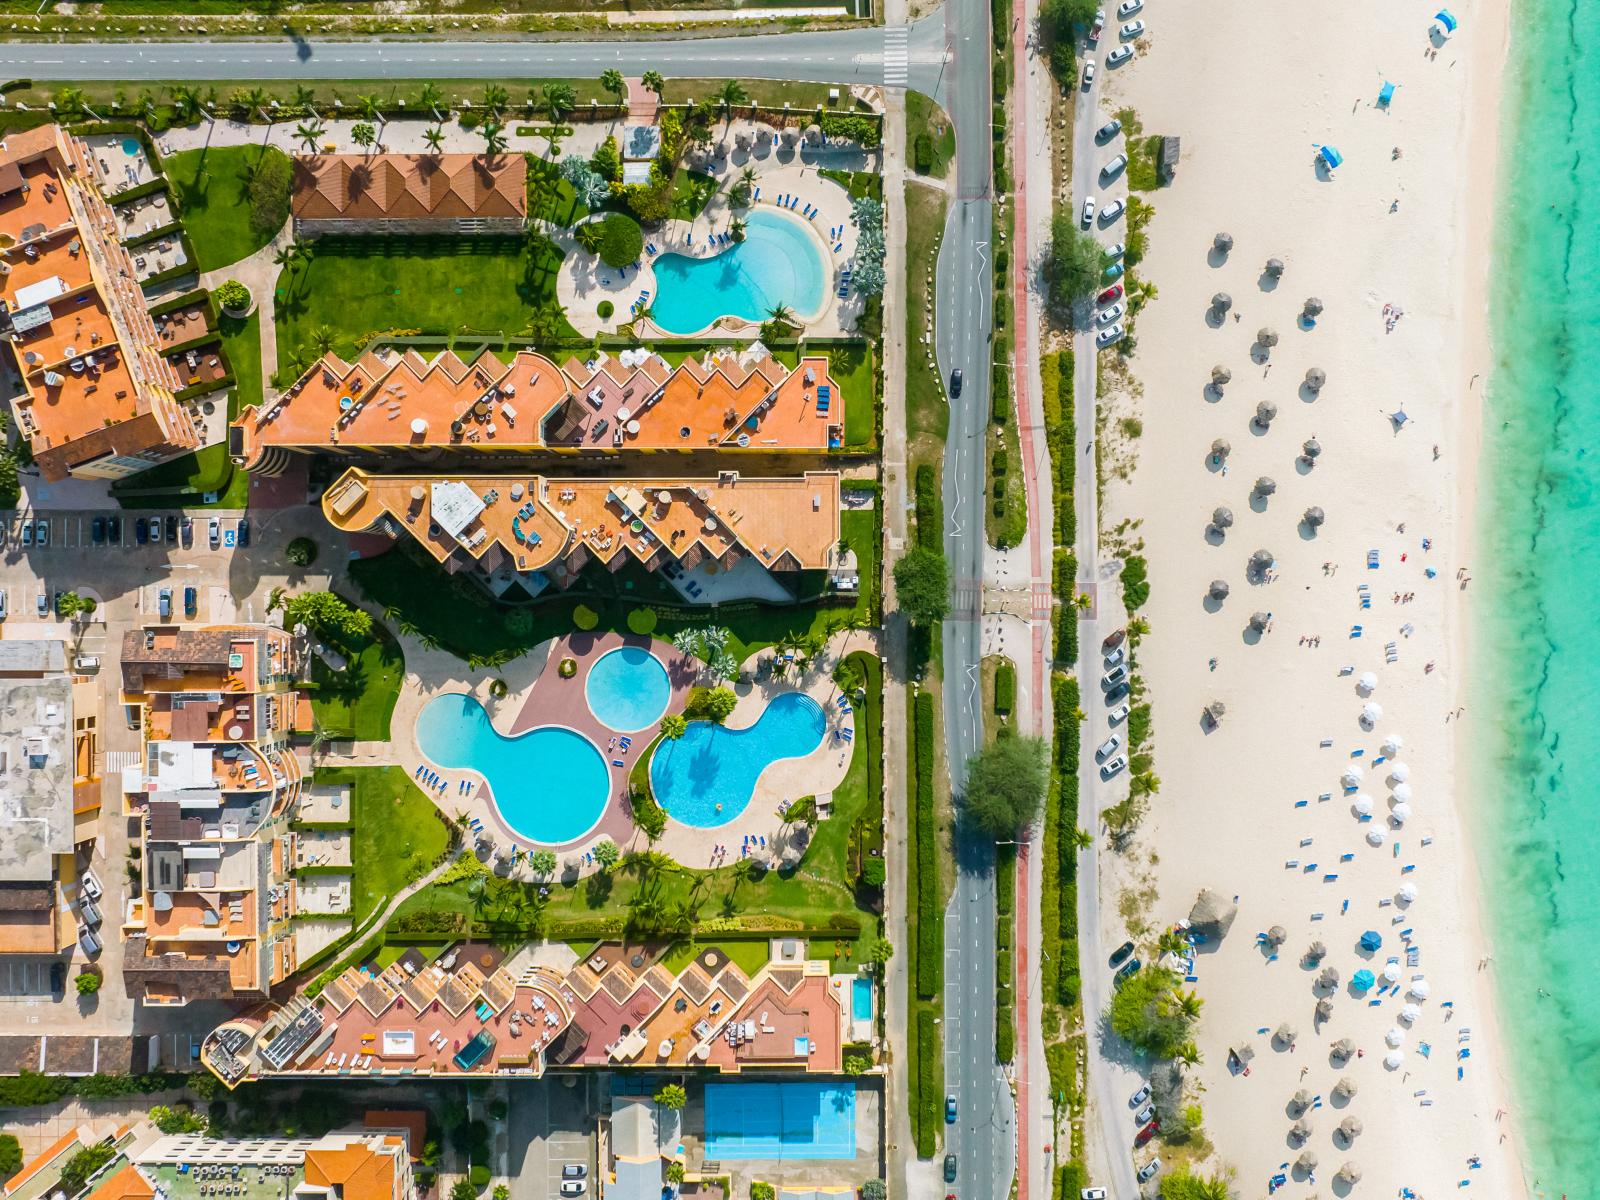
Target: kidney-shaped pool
707 776
550 784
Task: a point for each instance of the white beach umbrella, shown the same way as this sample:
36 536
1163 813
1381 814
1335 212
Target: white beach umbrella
1363 804
1407 892
1374 837
1371 713
1393 744
1352 776
1391 972
1402 793
1400 813
1396 1037
1419 989
1393 1059
1368 683
1399 772
1410 1013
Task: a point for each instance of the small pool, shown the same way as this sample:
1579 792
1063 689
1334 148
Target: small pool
778 263
628 689
707 776
790 1120
861 998
550 784
131 147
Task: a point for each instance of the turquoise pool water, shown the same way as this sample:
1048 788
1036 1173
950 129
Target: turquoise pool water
131 147
710 765
550 784
791 1120
1536 628
628 689
777 263
861 998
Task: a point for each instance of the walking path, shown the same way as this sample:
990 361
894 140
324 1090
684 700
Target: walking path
259 273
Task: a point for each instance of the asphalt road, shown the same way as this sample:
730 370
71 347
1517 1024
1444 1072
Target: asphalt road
1110 1084
829 56
983 1138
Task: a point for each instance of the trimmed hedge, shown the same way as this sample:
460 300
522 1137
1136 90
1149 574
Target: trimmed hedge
930 526
930 916
1066 573
925 1109
1066 823
1055 376
1005 1019
1005 687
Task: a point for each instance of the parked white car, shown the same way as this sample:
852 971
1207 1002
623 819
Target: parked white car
1131 30
1107 335
1108 315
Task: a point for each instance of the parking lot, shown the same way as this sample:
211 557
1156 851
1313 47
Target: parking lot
27 979
550 1125
120 531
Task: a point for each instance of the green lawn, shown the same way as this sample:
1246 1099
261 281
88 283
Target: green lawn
854 370
358 701
357 287
924 118
858 183
750 954
926 410
397 832
461 619
206 470
241 343
210 187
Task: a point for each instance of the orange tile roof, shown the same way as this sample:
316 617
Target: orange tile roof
54 1150
85 344
772 520
409 186
391 400
127 1184
358 1170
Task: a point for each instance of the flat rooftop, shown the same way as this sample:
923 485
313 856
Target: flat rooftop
36 761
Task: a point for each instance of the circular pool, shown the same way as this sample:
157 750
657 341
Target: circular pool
628 689
550 784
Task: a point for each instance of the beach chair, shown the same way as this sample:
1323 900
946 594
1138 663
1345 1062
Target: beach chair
1355 631
1372 560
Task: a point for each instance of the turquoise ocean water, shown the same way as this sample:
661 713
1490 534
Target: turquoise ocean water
1536 613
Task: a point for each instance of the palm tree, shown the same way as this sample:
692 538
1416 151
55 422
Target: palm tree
736 229
430 97
494 137
559 99
653 82
435 139
310 132
185 100
147 103
363 135
1188 1054
781 314
255 99
322 339
729 94
1188 1003
613 82
478 893
1084 601
372 110
286 256
1082 838
1170 942
305 99
495 98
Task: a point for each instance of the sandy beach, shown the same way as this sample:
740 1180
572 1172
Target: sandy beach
1396 249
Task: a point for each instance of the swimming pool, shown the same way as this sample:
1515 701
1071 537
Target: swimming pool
627 689
131 147
550 784
707 776
778 263
861 998
790 1120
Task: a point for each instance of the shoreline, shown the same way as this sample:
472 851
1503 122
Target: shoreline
1243 805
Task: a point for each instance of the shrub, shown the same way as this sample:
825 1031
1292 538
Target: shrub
232 295
478 1176
10 1156
621 240
604 310
1005 688
268 192
710 704
83 1164
649 816
922 154
874 1189
854 1064
569 666
865 131
302 552
585 618
930 523
930 924
328 614
675 1172
1135 582
88 983
760 1189
922 586
671 1096
607 160
642 620
874 872
182 1119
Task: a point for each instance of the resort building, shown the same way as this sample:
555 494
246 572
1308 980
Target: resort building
47 785
409 194
756 535
217 706
352 1164
115 1180
97 396
617 1008
389 405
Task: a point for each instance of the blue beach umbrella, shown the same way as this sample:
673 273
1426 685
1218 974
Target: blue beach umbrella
1362 980
1371 940
1446 20
1386 93
1330 156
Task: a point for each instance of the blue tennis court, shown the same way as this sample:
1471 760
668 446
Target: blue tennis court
796 1120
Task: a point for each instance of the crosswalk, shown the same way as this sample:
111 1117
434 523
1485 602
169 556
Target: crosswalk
896 58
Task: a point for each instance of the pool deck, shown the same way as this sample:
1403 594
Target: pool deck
584 281
539 696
